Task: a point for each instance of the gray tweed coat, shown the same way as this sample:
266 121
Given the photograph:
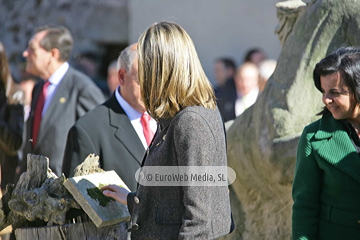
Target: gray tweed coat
194 137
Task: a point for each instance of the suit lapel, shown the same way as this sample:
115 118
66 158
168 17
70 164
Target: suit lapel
56 106
124 131
335 146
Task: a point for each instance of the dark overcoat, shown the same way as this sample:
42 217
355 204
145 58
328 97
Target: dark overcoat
107 132
11 130
194 137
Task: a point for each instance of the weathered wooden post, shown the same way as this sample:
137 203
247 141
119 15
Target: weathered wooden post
38 206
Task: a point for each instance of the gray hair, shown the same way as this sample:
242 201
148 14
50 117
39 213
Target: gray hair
57 37
126 59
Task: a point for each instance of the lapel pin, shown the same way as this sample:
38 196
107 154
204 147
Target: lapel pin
62 100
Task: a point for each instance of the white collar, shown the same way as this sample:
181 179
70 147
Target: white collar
59 74
253 93
129 110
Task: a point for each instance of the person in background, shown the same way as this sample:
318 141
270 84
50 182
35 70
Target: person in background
225 92
62 97
326 186
266 69
117 130
255 56
246 92
224 69
27 85
112 77
178 95
26 82
11 121
88 63
247 87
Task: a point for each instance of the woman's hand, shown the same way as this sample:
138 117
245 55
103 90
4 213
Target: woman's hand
116 192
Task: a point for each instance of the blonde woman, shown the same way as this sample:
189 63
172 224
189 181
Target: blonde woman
178 95
11 121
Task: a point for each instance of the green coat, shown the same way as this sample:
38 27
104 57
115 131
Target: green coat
326 187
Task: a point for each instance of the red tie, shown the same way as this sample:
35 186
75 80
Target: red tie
145 122
38 112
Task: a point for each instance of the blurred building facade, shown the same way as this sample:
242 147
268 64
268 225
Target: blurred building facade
218 28
98 27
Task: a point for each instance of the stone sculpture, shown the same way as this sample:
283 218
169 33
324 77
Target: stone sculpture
262 142
287 13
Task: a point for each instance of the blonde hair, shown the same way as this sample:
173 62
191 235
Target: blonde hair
170 73
4 66
12 90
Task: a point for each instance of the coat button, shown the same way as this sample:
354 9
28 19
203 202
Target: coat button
135 226
136 200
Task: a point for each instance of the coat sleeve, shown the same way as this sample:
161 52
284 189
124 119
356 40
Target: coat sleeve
11 127
89 97
306 191
195 145
78 146
130 201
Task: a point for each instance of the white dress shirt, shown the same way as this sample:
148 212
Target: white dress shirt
244 102
134 117
54 80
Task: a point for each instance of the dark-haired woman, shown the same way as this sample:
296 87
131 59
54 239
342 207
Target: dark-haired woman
255 56
11 121
326 187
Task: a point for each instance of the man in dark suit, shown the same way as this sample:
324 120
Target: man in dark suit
226 97
246 84
225 91
114 130
58 101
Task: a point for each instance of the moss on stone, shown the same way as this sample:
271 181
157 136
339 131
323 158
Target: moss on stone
96 193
